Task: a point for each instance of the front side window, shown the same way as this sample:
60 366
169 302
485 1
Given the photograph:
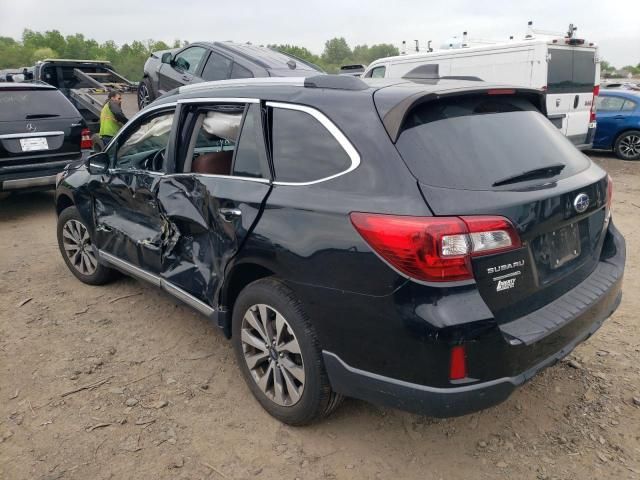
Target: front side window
189 60
218 67
609 104
303 149
144 147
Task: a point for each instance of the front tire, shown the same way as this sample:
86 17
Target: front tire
627 146
279 355
78 250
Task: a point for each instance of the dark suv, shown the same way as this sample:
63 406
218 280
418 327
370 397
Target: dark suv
428 246
209 61
40 134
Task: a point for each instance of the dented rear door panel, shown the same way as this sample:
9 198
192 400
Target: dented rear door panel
206 238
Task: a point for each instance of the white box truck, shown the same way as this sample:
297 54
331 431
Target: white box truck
567 68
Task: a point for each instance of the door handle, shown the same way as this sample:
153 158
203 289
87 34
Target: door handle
228 214
575 101
186 78
619 117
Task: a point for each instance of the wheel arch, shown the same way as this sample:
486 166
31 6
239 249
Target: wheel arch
63 202
236 280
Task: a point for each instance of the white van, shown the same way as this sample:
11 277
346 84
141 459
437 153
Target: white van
567 68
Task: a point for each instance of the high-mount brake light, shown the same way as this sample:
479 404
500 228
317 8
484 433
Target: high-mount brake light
501 91
435 249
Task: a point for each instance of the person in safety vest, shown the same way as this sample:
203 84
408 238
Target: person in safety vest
111 117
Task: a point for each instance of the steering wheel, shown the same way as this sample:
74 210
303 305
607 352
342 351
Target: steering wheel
157 161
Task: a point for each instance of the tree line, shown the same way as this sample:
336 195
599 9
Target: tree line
128 59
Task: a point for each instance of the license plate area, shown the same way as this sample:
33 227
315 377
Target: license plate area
562 245
34 144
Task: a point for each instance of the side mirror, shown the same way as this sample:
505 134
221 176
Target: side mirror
98 163
166 57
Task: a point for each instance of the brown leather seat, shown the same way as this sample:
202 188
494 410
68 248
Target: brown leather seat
215 163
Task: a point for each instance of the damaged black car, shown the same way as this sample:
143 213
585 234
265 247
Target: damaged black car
427 245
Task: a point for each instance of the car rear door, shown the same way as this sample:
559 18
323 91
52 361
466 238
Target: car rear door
472 157
184 66
610 118
571 78
215 198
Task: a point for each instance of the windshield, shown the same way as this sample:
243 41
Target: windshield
472 142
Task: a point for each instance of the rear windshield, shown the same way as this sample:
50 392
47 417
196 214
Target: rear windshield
34 104
571 71
472 142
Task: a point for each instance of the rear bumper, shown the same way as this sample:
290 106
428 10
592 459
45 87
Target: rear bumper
589 304
32 176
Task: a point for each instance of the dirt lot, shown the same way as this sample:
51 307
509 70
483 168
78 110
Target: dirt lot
164 399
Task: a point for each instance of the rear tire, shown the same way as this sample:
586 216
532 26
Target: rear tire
145 93
279 355
627 146
78 250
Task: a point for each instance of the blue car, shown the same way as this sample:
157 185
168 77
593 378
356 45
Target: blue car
618 117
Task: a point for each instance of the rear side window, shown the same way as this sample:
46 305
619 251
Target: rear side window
217 67
303 149
629 106
571 71
17 104
609 104
239 71
250 154
471 142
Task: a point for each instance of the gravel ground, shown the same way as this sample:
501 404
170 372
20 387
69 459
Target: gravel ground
122 381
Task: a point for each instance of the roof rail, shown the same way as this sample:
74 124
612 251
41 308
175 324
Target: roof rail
335 82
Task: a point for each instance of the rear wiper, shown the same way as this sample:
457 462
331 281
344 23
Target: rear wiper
543 172
41 115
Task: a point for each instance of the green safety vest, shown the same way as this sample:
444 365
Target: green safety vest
109 126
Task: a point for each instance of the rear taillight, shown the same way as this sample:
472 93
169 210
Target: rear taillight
592 115
85 141
435 249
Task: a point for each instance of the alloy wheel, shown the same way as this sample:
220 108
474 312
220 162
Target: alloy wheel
78 248
143 96
272 353
630 146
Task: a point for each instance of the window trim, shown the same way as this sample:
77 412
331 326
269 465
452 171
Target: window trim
206 100
331 127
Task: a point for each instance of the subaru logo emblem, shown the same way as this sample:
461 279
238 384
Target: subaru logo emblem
31 127
581 202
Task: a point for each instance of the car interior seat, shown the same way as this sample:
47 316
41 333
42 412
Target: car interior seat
214 163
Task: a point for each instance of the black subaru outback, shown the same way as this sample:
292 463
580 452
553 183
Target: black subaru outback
425 245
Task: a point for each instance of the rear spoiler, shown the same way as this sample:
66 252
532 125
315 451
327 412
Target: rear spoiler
395 117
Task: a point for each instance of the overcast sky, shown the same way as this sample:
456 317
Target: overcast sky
309 24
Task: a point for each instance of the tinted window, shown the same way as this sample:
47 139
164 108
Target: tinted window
143 142
570 71
239 71
303 149
17 104
217 67
629 106
609 104
472 142
189 60
250 151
